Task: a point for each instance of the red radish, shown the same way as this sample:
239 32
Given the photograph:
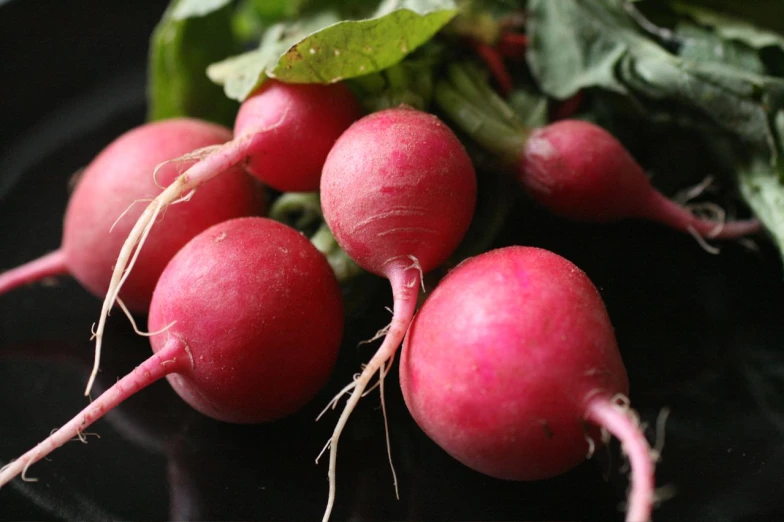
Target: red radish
512 363
574 168
398 192
282 134
121 175
578 170
250 318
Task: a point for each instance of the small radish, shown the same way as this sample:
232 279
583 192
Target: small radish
512 364
578 170
573 168
249 318
398 192
282 134
121 175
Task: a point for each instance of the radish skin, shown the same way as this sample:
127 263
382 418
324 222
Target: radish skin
271 141
398 192
250 318
104 205
49 265
578 170
512 366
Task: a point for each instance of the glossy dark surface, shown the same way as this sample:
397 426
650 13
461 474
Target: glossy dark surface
695 331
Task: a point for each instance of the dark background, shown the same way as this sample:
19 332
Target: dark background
700 334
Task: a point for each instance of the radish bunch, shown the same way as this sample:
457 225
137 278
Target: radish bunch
511 365
282 134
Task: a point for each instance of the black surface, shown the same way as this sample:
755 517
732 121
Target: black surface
697 333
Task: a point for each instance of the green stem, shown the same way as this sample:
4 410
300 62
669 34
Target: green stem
470 81
298 209
344 267
496 136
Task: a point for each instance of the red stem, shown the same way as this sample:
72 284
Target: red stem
512 45
668 212
566 108
496 65
618 420
51 264
172 358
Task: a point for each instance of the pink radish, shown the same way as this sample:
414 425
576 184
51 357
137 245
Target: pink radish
573 168
250 320
121 175
398 192
512 364
578 170
282 133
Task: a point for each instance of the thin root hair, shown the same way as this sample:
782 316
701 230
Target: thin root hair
415 264
383 370
133 322
689 193
591 446
379 334
332 404
702 242
24 476
198 154
661 423
147 200
323 450
664 493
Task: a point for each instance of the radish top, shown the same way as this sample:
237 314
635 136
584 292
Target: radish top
293 127
398 184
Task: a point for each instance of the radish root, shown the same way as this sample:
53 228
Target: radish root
219 159
404 290
616 417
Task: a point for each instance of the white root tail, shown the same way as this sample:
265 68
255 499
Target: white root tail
405 285
219 160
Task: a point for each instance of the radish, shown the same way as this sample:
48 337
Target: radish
398 192
121 175
282 133
512 364
249 320
573 168
578 170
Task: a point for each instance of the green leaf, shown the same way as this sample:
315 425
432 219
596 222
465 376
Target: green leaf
731 27
762 190
184 9
570 47
180 50
321 47
240 75
580 44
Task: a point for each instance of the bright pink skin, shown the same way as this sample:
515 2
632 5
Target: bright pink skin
300 123
578 170
508 360
398 183
398 192
120 175
259 322
275 316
